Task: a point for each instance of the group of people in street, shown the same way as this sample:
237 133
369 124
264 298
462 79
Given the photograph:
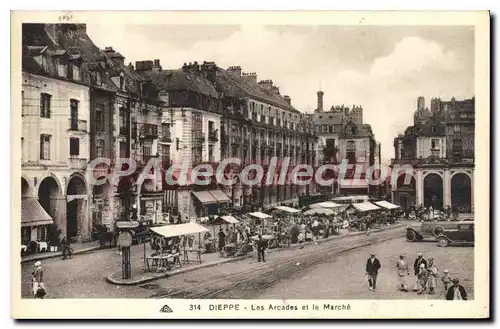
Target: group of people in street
421 212
426 277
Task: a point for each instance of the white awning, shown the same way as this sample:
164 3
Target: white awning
288 209
33 214
220 196
179 229
365 206
260 215
205 197
386 205
353 183
319 211
326 204
230 219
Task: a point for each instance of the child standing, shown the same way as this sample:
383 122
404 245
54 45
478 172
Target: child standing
446 280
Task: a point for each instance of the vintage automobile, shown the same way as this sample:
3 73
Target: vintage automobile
462 235
430 229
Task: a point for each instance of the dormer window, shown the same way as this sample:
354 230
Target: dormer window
62 68
98 78
163 95
76 72
122 81
434 129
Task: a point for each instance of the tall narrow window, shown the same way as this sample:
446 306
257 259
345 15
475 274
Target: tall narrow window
73 103
45 147
123 150
99 118
45 105
62 68
76 72
74 146
100 148
123 122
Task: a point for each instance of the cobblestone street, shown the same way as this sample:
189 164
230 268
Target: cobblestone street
338 276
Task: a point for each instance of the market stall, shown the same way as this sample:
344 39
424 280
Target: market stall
326 204
168 248
390 210
363 213
219 221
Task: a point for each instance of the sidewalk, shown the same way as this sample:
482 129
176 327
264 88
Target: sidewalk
78 248
214 259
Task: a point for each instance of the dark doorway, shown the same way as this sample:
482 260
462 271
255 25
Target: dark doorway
74 211
461 198
433 191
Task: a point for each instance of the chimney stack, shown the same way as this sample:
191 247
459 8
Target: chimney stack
320 101
156 66
209 71
250 78
266 84
142 66
288 99
235 70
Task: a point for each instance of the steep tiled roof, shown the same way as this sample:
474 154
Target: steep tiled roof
181 80
234 86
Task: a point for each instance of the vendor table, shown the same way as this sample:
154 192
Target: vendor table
185 253
162 262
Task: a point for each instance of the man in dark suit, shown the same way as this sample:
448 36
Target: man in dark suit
261 247
372 267
456 291
416 267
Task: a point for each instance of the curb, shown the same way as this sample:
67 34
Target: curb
42 256
111 280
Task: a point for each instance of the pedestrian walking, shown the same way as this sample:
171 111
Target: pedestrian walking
422 279
372 267
261 247
403 272
222 239
446 280
432 279
416 267
38 282
456 291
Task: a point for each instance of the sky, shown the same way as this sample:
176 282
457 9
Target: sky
382 68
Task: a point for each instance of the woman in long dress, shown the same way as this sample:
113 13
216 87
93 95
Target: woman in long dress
38 283
432 280
422 279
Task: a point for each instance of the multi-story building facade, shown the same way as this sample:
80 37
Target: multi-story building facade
259 125
440 149
55 138
343 135
199 114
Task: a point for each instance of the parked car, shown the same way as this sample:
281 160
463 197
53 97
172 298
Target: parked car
430 229
462 235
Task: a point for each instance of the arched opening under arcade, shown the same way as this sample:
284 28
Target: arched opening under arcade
76 211
433 191
461 193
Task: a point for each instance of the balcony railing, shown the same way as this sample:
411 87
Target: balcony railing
77 163
213 136
166 137
77 125
149 131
